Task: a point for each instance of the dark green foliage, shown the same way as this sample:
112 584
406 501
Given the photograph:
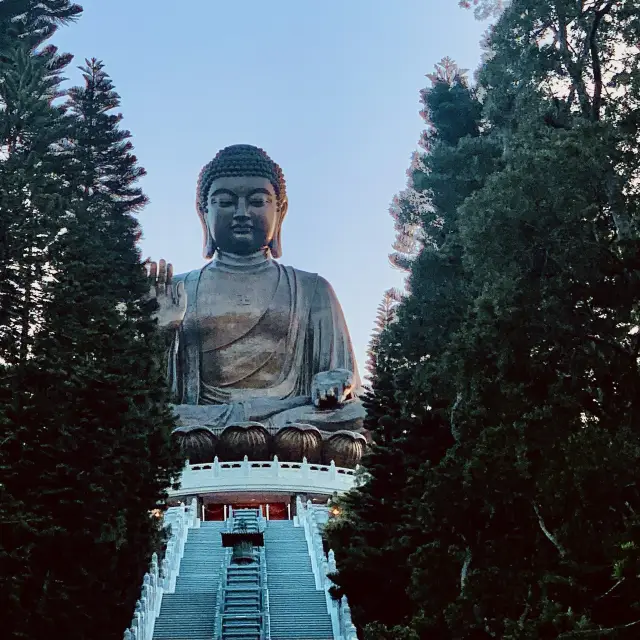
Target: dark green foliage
86 450
521 334
384 317
379 529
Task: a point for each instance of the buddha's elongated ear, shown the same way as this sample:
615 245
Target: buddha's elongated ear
209 245
276 244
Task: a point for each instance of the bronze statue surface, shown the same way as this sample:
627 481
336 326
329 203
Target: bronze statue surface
251 340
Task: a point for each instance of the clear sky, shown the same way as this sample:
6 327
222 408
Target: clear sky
329 89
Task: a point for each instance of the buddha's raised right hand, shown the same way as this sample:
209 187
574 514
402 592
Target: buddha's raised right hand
172 301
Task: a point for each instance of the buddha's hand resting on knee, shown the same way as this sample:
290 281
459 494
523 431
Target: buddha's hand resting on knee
331 388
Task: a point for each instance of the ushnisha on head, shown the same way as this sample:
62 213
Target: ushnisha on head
241 201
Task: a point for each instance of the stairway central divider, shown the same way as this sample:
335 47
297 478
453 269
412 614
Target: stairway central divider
241 596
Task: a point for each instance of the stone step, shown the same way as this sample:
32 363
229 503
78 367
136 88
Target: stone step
179 623
233 634
279 604
234 580
241 602
239 610
240 625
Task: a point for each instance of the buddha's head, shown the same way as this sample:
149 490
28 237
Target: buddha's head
241 202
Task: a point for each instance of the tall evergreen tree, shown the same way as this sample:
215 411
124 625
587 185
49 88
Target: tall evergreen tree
528 526
86 453
33 131
407 405
548 361
33 164
384 317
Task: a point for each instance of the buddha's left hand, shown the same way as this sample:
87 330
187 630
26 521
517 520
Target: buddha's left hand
331 388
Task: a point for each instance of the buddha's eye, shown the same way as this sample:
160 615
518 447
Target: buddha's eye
227 202
258 202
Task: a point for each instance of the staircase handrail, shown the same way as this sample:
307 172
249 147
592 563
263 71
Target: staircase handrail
323 565
161 579
266 616
226 561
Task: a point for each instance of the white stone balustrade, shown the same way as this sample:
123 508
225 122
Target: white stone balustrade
264 476
322 565
158 581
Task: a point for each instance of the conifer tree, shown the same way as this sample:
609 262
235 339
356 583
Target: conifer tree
86 453
527 526
548 362
33 131
98 411
377 528
33 164
384 317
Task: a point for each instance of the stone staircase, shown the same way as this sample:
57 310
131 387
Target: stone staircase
297 610
189 613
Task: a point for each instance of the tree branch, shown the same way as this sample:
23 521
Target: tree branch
593 633
615 586
465 570
572 68
595 61
554 541
455 432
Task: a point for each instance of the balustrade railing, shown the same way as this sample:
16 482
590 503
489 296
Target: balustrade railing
266 617
266 475
221 592
160 580
339 610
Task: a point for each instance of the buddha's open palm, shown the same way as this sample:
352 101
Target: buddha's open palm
172 300
331 388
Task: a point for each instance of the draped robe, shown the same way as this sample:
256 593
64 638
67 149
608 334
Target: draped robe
257 360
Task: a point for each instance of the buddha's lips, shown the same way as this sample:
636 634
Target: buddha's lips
241 229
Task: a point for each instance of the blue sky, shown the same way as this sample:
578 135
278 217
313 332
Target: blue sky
329 89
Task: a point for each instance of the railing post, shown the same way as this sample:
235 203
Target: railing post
311 544
246 469
165 573
297 518
216 467
348 628
331 561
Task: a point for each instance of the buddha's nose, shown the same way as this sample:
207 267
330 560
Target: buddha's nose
241 209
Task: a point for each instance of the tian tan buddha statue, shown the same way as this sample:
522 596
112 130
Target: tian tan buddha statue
260 361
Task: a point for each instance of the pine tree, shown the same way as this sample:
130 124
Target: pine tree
33 131
527 525
547 363
384 317
98 411
406 408
33 164
86 453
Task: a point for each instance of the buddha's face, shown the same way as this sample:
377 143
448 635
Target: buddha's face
242 214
